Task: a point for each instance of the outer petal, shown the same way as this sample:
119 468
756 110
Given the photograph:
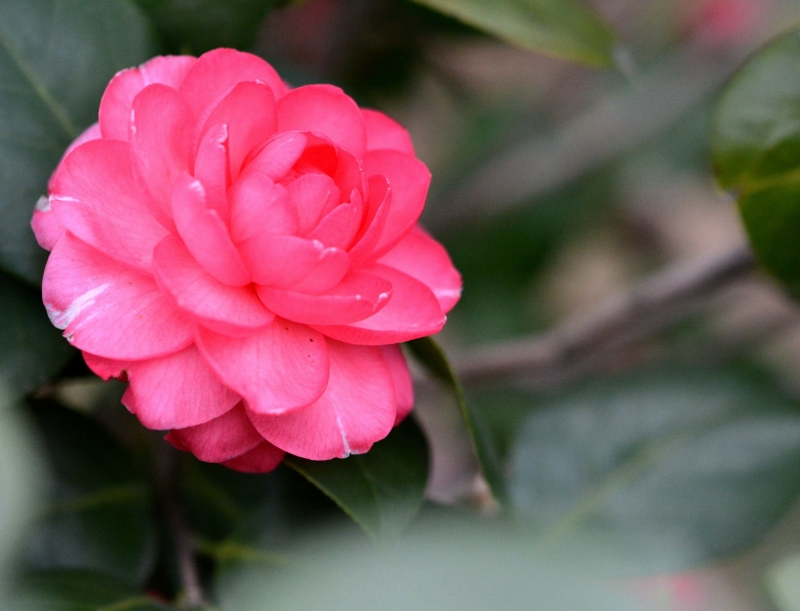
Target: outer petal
204 233
227 309
326 110
95 196
385 133
217 72
357 409
278 369
109 309
169 392
412 312
162 142
47 223
115 107
355 298
223 438
401 378
423 258
264 457
91 133
249 112
409 179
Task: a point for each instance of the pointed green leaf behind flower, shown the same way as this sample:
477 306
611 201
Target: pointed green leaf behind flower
381 490
56 57
565 29
755 149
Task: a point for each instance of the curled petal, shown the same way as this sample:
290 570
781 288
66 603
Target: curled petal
376 212
211 168
115 107
280 368
214 74
95 197
47 224
231 310
401 379
173 391
423 258
278 155
385 133
409 179
357 409
326 110
412 312
204 233
162 144
109 309
261 459
356 297
224 438
249 112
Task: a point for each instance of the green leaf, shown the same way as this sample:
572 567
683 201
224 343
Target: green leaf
430 354
783 583
79 591
31 348
381 490
684 467
100 514
197 26
756 150
565 29
56 57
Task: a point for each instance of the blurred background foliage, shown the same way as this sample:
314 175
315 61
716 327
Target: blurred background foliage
572 144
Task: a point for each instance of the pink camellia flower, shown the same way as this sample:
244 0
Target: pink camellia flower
247 256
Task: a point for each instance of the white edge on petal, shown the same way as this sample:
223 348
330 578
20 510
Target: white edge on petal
62 319
345 442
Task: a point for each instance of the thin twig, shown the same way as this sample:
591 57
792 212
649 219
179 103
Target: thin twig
645 310
193 595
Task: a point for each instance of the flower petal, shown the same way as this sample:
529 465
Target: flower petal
224 438
174 391
340 225
95 196
215 73
326 110
401 378
261 459
162 143
357 409
204 233
385 133
47 224
311 194
282 367
115 107
249 112
259 206
356 297
109 309
423 258
377 210
409 179
211 168
231 310
278 155
412 312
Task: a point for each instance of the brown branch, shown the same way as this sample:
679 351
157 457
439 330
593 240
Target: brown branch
645 310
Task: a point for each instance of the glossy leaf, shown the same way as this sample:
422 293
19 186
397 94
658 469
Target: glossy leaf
565 29
99 515
684 467
79 591
56 57
756 151
31 348
197 26
381 490
433 358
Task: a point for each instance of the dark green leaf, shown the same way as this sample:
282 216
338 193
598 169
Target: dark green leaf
565 29
428 352
100 513
756 150
56 57
79 591
31 348
686 467
381 490
196 26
